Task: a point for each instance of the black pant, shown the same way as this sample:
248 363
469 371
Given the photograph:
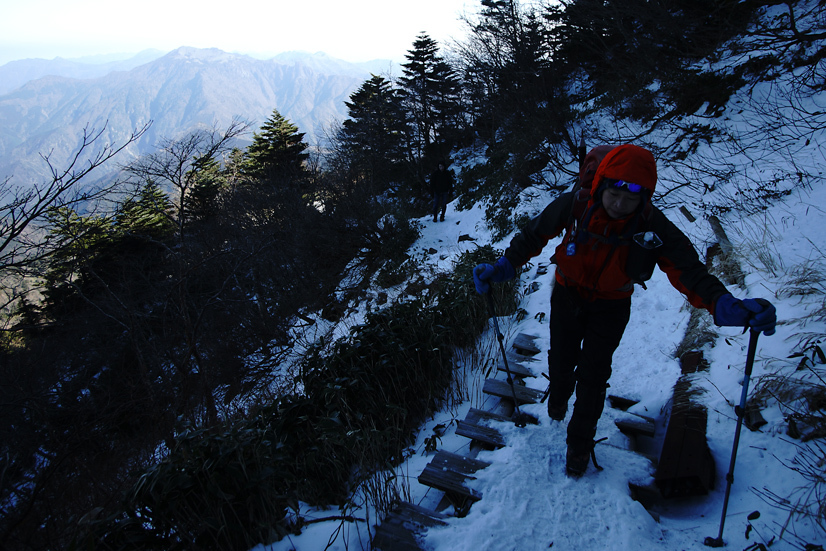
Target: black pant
439 203
584 335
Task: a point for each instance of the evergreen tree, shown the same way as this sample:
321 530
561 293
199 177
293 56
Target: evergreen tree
518 101
147 215
207 182
372 139
80 243
94 252
431 93
277 150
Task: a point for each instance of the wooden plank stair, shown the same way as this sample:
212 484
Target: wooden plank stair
448 472
517 369
403 525
501 389
618 402
401 528
523 344
636 426
486 436
475 415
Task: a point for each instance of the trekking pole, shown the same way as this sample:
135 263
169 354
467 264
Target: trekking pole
519 419
740 411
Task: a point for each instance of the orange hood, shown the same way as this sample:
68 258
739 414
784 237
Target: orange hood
630 163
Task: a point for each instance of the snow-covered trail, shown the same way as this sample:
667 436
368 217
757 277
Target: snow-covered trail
530 504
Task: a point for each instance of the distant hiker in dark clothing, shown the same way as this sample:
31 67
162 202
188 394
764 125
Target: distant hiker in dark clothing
441 186
613 238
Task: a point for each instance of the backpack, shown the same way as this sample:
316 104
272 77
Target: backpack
588 165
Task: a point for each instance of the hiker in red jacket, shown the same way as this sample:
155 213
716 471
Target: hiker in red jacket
614 237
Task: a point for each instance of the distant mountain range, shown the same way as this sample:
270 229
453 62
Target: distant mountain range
15 74
45 105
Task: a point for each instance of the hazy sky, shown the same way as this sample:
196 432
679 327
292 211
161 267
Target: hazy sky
354 30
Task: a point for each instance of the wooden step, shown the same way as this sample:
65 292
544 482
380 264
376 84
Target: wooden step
514 356
618 402
636 426
516 368
523 344
501 389
486 436
448 472
403 525
475 415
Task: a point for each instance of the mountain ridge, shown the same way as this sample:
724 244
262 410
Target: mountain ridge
15 74
183 90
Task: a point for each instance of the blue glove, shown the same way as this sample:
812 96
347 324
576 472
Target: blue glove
756 313
501 271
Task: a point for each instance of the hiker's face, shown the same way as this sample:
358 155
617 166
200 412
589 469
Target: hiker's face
619 203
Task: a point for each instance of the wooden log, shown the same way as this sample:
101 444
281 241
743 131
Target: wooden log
648 495
753 419
693 361
686 466
731 266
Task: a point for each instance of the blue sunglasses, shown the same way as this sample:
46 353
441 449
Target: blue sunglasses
621 184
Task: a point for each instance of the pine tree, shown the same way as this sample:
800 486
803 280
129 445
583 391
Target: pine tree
372 139
94 252
431 94
277 150
79 242
207 182
148 214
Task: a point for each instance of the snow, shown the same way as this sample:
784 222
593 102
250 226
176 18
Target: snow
529 503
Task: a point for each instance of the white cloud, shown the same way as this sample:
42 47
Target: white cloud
356 30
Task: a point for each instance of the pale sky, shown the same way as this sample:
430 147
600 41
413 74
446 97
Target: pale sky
353 30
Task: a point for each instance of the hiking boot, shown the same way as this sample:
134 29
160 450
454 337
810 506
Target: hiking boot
443 218
435 219
576 465
557 413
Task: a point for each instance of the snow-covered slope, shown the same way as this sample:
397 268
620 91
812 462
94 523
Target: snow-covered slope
529 503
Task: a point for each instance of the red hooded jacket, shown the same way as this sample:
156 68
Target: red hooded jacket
599 266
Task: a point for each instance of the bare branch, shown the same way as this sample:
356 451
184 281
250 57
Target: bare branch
22 209
174 160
